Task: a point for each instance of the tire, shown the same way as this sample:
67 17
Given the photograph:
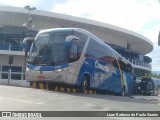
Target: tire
51 86
85 84
155 92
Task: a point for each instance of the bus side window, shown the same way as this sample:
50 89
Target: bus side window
125 67
73 53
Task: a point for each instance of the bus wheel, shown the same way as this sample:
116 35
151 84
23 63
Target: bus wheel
51 86
85 84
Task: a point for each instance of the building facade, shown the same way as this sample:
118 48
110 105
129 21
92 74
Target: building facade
129 44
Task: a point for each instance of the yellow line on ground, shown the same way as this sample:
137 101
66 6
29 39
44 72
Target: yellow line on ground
47 86
68 90
62 89
34 85
74 90
41 86
85 91
90 91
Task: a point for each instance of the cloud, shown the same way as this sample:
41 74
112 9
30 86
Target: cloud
39 4
141 16
131 14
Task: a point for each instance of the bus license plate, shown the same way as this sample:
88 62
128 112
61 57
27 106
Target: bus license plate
40 77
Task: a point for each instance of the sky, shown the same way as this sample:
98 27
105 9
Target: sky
141 16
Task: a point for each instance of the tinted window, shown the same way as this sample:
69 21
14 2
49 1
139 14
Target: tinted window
125 67
99 51
56 52
49 49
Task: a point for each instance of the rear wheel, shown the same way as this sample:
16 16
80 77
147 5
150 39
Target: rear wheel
85 84
51 86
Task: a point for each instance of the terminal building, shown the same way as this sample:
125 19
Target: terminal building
129 44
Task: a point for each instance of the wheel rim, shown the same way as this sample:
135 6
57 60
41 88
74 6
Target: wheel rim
84 84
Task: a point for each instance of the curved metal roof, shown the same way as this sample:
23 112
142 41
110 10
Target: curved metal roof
138 42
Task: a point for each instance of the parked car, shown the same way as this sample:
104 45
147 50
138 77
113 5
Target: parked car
150 86
147 86
156 85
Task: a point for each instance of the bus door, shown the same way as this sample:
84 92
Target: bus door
119 76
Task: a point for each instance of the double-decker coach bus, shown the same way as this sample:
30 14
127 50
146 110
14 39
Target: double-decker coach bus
76 57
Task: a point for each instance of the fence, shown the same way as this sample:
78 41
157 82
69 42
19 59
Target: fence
13 47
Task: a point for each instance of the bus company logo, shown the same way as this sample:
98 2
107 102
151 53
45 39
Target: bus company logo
102 67
6 114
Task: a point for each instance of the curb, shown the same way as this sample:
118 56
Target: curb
59 88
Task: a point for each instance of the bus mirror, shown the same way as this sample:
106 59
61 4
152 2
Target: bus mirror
73 52
71 39
71 44
27 42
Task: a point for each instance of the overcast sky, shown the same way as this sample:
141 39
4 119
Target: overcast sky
141 16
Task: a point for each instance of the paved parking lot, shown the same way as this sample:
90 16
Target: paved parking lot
30 99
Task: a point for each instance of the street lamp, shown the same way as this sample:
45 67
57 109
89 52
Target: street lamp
29 18
27 25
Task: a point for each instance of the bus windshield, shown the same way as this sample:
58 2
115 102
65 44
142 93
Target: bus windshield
49 49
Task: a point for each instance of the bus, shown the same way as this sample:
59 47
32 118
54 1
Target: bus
74 56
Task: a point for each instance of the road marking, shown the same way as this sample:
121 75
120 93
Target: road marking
22 101
68 90
41 86
34 85
74 90
62 89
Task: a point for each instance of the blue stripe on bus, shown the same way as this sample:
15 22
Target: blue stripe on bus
103 79
46 68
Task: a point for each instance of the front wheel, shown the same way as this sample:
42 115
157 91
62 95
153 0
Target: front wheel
84 85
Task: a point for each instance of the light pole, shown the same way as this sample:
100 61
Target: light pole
29 21
27 25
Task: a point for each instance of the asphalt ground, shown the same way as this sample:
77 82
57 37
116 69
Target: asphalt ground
31 99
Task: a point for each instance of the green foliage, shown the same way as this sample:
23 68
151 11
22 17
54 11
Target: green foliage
150 75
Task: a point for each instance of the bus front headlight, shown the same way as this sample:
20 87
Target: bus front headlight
58 70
